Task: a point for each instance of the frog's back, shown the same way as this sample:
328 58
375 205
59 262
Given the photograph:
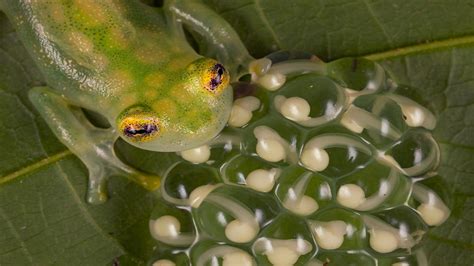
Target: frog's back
93 46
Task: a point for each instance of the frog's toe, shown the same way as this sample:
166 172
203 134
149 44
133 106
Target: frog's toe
97 188
101 170
96 197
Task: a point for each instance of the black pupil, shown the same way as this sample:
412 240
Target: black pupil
141 130
217 80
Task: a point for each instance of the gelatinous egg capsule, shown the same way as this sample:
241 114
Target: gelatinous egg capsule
314 155
354 197
360 76
296 200
181 180
273 77
356 120
282 251
242 109
431 209
244 227
415 114
233 221
337 228
272 147
310 100
302 192
250 171
294 108
415 154
234 214
329 235
167 229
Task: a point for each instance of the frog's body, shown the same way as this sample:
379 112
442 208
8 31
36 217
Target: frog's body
133 65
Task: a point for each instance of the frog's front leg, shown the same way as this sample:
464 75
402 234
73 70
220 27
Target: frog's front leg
224 42
94 146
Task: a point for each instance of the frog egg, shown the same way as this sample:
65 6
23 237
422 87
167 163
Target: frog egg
295 109
163 263
401 264
271 147
240 232
383 241
270 150
239 116
350 195
262 180
432 209
197 155
432 215
315 159
282 252
250 103
198 195
237 258
329 235
242 109
384 238
272 81
231 256
166 226
305 206
282 256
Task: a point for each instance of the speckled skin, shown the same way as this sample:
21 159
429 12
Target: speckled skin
111 56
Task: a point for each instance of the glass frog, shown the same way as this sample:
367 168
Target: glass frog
132 64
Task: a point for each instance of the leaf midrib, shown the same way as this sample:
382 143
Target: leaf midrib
378 56
34 166
420 48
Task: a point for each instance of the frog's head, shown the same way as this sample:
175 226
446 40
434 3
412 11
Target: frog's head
191 109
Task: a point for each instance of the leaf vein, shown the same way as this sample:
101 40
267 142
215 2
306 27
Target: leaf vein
419 48
32 167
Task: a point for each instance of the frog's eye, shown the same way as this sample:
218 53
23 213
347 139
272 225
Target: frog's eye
138 125
216 79
139 130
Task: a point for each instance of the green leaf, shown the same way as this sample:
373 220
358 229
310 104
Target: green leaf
426 44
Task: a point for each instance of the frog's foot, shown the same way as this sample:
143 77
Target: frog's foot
222 41
94 146
100 159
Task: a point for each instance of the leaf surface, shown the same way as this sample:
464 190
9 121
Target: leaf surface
426 44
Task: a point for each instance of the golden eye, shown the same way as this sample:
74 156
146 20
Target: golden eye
139 126
217 79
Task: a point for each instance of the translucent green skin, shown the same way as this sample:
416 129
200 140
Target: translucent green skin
110 55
